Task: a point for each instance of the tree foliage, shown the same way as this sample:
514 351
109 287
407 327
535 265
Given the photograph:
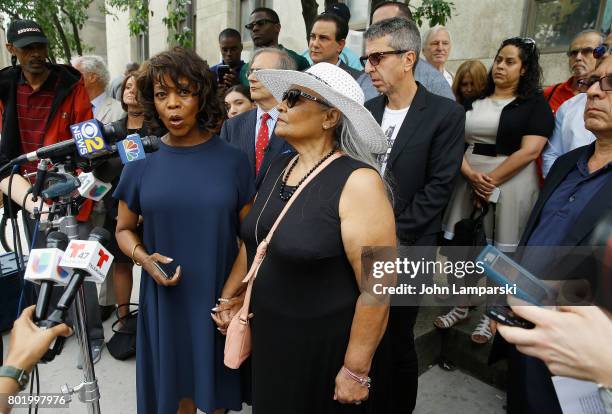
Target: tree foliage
61 20
177 14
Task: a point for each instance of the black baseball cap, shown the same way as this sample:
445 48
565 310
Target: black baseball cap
24 32
341 10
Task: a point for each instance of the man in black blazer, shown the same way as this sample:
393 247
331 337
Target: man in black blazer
577 193
327 40
425 135
247 131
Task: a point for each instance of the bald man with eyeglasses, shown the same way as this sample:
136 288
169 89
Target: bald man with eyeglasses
581 62
569 132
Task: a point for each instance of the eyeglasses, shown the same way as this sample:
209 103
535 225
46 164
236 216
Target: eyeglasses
585 51
601 50
291 96
260 22
252 70
605 83
376 57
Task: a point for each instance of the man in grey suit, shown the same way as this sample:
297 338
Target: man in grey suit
96 78
326 42
424 73
253 131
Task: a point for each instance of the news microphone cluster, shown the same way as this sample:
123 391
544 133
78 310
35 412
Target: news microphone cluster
90 140
82 260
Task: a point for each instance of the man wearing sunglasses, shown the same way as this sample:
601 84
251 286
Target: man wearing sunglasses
432 79
581 62
264 26
569 132
425 148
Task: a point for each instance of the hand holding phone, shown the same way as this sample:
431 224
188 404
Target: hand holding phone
162 269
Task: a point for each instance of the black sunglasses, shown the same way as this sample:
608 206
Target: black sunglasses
584 51
601 50
291 96
605 83
376 57
260 22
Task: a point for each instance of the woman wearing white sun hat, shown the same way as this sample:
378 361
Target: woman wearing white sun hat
313 335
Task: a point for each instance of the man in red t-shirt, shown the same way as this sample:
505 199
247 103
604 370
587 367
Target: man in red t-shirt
581 62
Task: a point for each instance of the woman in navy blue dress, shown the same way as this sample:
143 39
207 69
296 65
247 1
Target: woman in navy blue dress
190 194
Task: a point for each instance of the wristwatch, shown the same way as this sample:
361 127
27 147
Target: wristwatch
19 375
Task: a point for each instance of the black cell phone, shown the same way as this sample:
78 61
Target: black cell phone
222 70
166 269
504 315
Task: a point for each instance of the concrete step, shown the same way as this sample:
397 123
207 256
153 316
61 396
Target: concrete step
455 345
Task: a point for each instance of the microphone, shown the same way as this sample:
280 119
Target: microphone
43 268
90 261
90 144
91 187
89 257
41 172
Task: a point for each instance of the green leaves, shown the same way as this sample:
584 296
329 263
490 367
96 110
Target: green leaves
435 11
61 21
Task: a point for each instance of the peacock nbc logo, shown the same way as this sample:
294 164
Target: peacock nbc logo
131 149
41 262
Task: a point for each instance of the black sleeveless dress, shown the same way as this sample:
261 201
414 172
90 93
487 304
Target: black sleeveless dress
304 296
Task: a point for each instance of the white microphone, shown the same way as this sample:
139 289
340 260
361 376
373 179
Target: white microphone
43 268
89 257
91 187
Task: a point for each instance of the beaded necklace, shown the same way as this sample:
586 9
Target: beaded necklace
283 186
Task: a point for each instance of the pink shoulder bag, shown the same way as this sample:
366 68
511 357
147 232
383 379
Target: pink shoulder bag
238 339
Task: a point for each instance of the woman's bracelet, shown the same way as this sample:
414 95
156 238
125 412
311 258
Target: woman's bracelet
363 381
223 300
133 252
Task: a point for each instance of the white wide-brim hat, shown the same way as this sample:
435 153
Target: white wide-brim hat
339 89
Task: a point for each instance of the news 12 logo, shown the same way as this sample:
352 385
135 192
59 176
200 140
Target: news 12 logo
88 138
131 149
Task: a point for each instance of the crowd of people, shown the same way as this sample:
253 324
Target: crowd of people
387 149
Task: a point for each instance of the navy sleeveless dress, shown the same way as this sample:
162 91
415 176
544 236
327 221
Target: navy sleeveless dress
190 198
303 298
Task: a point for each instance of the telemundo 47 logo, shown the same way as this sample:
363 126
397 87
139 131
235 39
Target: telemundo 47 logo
88 138
131 149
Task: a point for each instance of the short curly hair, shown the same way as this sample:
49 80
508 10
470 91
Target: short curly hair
530 82
176 63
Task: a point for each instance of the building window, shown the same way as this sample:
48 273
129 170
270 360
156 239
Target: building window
553 23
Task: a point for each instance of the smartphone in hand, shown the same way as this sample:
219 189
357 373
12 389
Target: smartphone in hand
166 269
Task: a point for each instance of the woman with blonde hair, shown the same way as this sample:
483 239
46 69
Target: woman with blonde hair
470 81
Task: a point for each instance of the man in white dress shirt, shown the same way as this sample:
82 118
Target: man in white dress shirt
437 48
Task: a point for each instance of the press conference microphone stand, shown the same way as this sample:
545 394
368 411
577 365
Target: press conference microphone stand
88 390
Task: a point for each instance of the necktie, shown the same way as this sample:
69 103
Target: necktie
261 142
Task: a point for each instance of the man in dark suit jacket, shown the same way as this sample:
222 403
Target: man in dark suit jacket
425 136
577 193
327 40
247 131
